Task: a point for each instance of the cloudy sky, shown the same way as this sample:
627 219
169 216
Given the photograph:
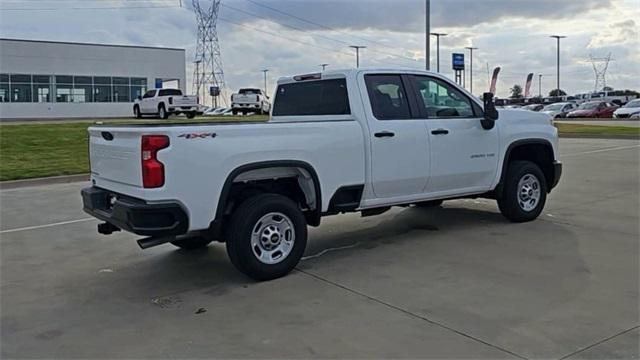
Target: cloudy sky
294 36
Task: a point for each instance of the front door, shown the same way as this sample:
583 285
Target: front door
399 142
464 156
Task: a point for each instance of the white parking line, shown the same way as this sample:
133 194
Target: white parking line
45 225
601 150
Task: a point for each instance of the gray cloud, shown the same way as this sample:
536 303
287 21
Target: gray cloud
407 15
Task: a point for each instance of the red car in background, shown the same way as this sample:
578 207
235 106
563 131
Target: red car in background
594 109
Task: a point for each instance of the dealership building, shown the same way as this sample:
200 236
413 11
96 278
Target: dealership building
46 79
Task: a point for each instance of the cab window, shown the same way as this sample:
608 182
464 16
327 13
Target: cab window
149 94
388 97
442 100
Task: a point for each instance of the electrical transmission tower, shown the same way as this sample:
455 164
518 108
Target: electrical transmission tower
600 66
208 71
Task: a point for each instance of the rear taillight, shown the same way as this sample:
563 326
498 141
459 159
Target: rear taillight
257 97
171 100
152 169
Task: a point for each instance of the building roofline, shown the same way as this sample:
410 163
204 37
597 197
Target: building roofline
92 44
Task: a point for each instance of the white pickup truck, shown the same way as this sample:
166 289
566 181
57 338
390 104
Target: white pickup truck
336 142
250 100
165 102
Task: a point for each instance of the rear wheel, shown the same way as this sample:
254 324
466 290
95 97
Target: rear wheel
266 236
162 112
524 192
192 243
235 112
191 115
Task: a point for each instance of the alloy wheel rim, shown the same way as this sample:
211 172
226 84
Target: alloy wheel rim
272 238
528 192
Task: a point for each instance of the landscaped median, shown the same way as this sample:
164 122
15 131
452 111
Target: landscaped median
53 149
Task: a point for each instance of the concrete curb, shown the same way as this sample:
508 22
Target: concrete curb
15 184
597 136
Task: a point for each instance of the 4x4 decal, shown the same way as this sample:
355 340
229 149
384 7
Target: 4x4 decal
198 135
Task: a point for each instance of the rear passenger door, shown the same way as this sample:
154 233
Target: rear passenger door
398 140
464 156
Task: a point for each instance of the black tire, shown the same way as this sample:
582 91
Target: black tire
162 112
192 243
243 223
191 115
509 203
136 112
428 204
235 112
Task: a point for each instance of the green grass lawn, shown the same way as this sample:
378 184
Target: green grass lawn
595 130
48 149
52 149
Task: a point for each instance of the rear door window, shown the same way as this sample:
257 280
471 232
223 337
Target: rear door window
388 97
149 94
322 97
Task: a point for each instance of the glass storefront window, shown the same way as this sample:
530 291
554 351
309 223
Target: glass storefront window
102 93
64 93
41 93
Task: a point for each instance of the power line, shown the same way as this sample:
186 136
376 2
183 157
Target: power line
298 41
320 25
316 35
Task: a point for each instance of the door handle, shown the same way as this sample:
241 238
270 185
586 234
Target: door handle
384 134
440 132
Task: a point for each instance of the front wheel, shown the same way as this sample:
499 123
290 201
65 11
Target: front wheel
136 112
266 236
524 192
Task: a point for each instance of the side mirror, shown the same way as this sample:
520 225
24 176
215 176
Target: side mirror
490 112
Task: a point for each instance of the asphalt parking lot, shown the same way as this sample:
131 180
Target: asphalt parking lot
451 282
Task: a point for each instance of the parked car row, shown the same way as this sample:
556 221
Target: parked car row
590 109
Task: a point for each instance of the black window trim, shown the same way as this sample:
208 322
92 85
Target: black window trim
477 110
414 113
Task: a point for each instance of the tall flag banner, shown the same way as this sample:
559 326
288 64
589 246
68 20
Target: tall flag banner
494 80
527 87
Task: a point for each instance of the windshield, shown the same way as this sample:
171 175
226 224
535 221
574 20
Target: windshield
553 107
589 105
633 104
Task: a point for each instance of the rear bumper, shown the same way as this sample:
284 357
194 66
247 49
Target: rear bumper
135 215
557 173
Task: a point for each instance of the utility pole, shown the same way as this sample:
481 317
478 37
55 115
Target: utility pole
324 66
558 37
471 48
265 71
437 35
427 22
357 53
540 85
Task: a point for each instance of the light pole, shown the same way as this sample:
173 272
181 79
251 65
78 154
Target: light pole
265 71
324 66
558 37
427 23
540 85
357 53
471 48
437 35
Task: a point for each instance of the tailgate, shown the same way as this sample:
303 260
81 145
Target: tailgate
245 98
185 100
115 155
